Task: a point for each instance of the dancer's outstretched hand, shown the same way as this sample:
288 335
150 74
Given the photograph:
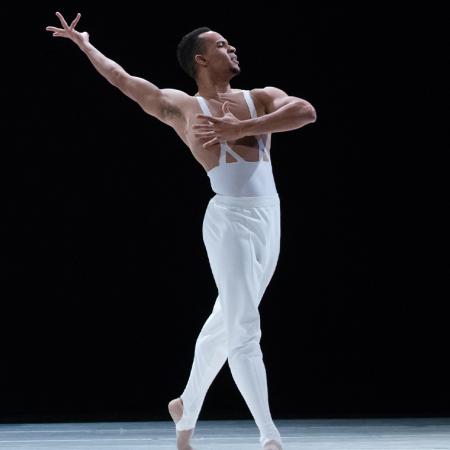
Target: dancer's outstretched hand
69 31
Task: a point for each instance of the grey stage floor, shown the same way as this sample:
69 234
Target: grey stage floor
334 434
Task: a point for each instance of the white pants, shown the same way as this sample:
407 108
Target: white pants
242 239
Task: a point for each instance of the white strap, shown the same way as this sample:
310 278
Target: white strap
207 112
233 153
224 147
251 107
204 106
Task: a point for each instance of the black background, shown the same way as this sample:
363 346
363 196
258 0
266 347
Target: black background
106 279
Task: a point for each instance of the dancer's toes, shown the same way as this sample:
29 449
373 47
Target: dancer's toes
272 445
183 439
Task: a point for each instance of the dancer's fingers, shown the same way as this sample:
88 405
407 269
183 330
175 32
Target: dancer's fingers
205 135
202 127
209 118
210 143
75 21
63 21
57 30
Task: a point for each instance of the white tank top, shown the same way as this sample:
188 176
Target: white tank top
242 178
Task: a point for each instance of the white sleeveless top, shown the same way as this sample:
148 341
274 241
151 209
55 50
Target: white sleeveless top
241 178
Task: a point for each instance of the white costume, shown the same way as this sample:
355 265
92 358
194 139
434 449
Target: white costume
241 232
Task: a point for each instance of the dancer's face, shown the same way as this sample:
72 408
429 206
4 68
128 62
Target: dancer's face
219 56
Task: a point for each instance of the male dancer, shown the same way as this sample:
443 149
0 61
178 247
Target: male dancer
228 132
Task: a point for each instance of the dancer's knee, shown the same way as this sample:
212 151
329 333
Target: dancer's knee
245 349
210 341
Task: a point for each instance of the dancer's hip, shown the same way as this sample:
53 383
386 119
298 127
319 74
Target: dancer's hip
246 202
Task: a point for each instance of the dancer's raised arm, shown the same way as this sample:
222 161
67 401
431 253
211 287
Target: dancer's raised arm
160 103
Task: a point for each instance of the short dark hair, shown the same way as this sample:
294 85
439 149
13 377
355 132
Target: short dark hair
188 47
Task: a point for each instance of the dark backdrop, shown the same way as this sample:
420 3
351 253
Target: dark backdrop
106 279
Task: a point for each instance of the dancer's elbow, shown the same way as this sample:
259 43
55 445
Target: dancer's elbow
117 77
312 113
307 111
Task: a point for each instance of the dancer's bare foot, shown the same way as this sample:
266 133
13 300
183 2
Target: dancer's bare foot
183 436
272 445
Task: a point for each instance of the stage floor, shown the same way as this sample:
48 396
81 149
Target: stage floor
307 434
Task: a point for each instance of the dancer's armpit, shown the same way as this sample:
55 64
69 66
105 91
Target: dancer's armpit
164 104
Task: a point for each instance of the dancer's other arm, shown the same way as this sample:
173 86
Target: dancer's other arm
160 103
282 113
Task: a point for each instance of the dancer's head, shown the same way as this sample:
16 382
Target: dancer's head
204 52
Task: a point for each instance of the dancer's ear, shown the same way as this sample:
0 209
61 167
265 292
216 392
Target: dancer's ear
200 59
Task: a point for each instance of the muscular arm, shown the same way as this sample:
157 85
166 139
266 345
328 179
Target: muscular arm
283 113
160 103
